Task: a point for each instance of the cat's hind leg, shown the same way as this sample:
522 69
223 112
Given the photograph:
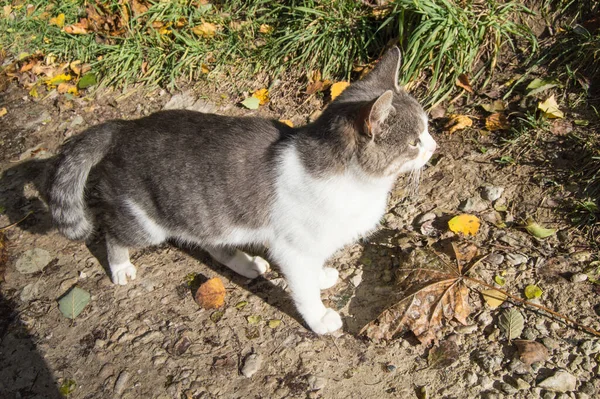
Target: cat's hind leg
120 266
239 261
328 276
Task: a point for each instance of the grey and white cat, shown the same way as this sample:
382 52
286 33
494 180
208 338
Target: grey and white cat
221 182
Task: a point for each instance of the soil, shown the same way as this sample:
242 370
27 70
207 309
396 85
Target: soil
150 339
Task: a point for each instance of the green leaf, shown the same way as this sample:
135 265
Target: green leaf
500 280
241 305
496 106
533 291
581 122
216 316
67 387
251 103
511 322
254 319
539 85
87 80
274 323
538 231
71 304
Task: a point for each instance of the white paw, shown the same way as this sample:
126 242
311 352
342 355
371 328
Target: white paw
330 322
248 266
120 273
258 266
328 277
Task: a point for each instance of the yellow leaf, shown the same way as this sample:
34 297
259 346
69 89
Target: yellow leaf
3 111
463 82
266 29
550 108
33 92
493 298
59 20
67 88
205 29
211 294
497 121
7 10
287 122
262 95
458 122
204 68
337 88
465 224
58 79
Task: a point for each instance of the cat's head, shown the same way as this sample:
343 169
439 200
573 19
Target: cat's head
387 128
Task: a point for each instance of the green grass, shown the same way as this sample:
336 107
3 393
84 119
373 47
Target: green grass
440 39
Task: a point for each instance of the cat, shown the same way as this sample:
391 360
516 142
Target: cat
221 182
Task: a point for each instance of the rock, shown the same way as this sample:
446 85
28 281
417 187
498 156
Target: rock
121 382
203 106
251 365
316 383
473 205
508 389
590 347
31 291
520 384
579 277
577 360
518 367
548 395
33 261
485 319
551 343
588 388
581 395
495 259
426 217
34 122
516 259
491 193
357 278
78 120
428 229
529 333
180 101
485 382
561 381
471 378
466 329
279 282
582 256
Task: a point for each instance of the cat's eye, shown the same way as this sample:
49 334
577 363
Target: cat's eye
414 143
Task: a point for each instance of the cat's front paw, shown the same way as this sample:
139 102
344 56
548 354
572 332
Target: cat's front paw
120 273
330 322
328 277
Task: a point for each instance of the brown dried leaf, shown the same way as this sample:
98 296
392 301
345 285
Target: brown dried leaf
443 355
434 292
211 294
458 122
463 82
80 28
531 352
497 121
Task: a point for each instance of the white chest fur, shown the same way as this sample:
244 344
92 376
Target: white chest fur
323 214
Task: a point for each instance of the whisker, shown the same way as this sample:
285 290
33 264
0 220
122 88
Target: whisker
413 181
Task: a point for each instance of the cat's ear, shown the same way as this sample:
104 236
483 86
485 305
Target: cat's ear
385 73
376 113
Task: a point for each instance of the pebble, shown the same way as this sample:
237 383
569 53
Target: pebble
485 382
590 347
588 388
466 329
581 395
548 395
485 319
492 193
316 383
31 291
471 378
251 365
357 278
509 240
78 120
561 381
508 389
121 382
581 256
579 277
577 360
180 101
521 384
426 217
33 261
529 333
516 259
551 343
495 259
473 204
518 367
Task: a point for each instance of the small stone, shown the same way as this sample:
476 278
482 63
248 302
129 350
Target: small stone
180 101
121 382
33 261
473 205
521 384
551 343
561 381
357 278
316 383
471 378
579 277
518 367
251 365
491 193
516 259
495 259
486 382
581 256
588 388
485 319
590 347
581 395
466 329
426 217
390 368
509 240
31 291
529 333
203 106
78 120
548 395
279 282
508 389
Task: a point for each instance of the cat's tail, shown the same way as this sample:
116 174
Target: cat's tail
66 195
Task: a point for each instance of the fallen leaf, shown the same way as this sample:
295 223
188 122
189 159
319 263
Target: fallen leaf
560 127
73 303
287 122
262 95
3 111
337 88
211 294
493 298
204 69
274 323
59 20
265 29
205 29
581 122
511 322
443 355
216 316
87 80
138 8
251 103
79 28
463 82
458 122
496 106
58 79
539 85
7 10
33 92
241 305
497 121
538 231
465 224
500 280
67 387
435 291
550 108
531 351
254 319
533 291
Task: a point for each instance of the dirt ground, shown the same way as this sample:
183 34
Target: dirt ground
150 339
